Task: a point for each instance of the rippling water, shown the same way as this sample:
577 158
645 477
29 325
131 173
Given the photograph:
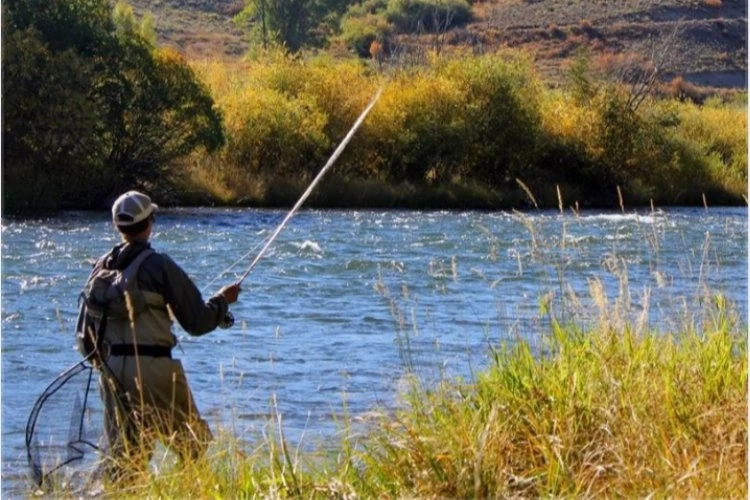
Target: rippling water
344 301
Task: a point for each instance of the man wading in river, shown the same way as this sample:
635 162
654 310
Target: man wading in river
145 392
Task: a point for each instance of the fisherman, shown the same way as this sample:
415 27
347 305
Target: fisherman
145 391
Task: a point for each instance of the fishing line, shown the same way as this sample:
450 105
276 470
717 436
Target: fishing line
305 195
225 271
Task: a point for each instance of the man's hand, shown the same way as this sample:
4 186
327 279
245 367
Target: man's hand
231 292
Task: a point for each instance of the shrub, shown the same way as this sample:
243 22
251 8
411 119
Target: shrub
417 133
358 33
721 133
338 90
482 120
502 113
272 134
427 15
681 89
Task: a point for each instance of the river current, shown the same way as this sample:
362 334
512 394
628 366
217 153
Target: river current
345 302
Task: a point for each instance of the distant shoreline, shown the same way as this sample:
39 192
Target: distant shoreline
428 200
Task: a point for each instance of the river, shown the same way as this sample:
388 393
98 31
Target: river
345 302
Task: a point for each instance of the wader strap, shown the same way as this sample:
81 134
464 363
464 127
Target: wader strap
155 351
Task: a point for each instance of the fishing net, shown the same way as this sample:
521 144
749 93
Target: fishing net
65 427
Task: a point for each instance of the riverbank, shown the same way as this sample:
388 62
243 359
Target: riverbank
336 193
456 128
610 412
468 132
479 132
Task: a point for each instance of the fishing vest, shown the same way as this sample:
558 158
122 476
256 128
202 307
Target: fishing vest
150 327
114 311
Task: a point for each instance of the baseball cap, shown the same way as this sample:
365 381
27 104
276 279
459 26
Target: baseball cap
131 208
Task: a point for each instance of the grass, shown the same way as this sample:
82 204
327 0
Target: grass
606 412
603 413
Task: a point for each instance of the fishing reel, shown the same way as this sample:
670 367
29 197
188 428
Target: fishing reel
227 321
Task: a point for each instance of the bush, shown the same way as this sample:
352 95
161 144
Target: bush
481 121
417 132
719 129
427 15
270 133
340 91
358 33
502 112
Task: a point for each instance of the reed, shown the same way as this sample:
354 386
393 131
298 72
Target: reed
600 404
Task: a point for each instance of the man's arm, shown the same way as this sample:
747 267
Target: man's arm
195 315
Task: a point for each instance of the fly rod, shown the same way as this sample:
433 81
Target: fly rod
308 191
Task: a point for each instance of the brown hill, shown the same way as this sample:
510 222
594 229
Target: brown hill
198 28
704 41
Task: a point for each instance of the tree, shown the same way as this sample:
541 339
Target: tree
292 24
159 113
281 22
93 100
53 53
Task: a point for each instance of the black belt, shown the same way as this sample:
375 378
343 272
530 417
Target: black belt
156 351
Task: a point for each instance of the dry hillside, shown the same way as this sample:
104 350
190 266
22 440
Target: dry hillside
704 41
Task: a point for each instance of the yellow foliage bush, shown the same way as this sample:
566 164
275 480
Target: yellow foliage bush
270 133
340 90
564 119
486 120
721 130
416 127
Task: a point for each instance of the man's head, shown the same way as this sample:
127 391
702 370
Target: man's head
132 213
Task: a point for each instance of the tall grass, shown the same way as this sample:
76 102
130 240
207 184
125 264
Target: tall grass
607 412
601 413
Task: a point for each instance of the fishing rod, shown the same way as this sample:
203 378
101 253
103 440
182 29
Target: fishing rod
306 194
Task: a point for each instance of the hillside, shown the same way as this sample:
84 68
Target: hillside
198 28
704 41
709 48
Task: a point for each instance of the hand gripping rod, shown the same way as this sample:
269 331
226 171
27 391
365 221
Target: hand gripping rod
311 187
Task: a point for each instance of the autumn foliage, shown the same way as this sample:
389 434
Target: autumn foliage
483 121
